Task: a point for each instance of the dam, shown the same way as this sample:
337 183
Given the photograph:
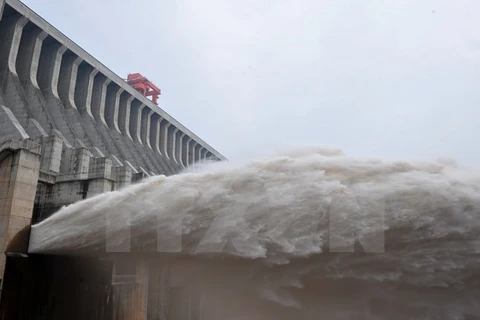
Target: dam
111 209
71 129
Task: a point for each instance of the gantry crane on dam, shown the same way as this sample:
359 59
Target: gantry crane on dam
144 86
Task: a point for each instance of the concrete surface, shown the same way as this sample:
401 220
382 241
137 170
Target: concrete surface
53 87
71 129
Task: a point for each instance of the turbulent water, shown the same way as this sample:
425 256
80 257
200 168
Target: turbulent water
310 234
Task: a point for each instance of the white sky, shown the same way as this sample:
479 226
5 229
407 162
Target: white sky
387 78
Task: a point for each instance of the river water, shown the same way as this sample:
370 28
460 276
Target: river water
308 234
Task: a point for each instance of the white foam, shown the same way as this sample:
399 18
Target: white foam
289 212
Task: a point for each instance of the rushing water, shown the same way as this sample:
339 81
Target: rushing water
311 234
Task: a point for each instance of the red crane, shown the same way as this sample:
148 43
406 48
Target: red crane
144 86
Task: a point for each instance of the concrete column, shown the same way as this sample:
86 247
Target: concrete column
186 150
164 141
13 95
10 36
178 147
124 115
100 168
191 155
29 56
75 164
84 89
100 176
155 134
68 80
112 106
171 132
193 152
208 155
87 106
198 155
52 147
136 108
99 95
145 126
19 171
172 141
123 176
203 154
49 68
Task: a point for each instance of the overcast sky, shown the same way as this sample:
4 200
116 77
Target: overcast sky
394 79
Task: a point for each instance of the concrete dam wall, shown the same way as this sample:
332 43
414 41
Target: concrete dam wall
51 88
92 131
70 129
